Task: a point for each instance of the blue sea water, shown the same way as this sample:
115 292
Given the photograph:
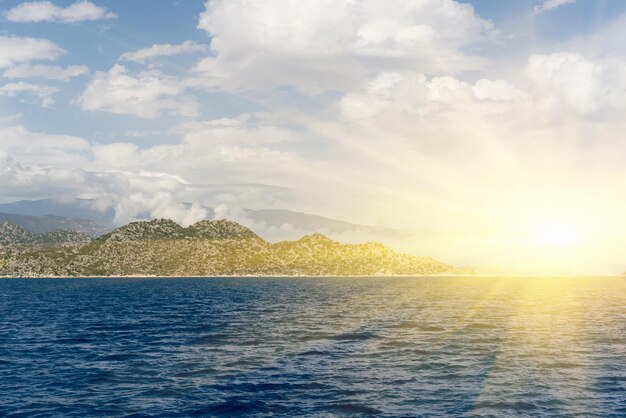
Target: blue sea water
499 347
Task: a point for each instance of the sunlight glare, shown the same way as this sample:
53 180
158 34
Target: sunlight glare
557 234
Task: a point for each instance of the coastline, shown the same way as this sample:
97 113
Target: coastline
337 276
225 276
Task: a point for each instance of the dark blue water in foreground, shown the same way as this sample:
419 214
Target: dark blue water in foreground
313 347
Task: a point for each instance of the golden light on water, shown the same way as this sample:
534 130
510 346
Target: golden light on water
535 337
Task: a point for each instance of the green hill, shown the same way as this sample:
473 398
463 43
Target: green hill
208 248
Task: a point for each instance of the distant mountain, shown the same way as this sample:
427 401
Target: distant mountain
207 248
75 208
81 209
48 223
302 221
14 235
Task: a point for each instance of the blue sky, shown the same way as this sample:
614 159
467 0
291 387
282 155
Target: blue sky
142 23
98 45
463 123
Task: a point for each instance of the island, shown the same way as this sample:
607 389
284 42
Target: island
161 247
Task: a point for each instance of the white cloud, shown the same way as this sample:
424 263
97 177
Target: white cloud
225 161
26 180
50 72
146 95
42 93
324 45
45 11
552 86
498 91
44 149
15 49
569 81
548 5
415 94
35 165
138 194
133 195
219 156
162 50
226 149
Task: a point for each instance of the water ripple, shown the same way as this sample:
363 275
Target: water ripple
383 347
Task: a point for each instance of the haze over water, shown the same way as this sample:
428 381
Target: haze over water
313 346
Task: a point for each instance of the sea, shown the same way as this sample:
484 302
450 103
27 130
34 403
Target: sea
319 347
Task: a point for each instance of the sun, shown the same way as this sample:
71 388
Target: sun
557 234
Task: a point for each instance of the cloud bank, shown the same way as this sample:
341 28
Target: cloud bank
334 44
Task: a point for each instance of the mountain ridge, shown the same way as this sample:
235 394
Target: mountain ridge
11 234
48 223
161 247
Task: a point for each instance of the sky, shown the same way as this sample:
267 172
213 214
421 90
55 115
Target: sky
490 133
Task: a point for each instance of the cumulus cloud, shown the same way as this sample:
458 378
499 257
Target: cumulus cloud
15 49
21 181
141 194
554 85
414 93
42 93
225 149
50 72
498 91
147 94
334 44
45 11
162 50
35 165
42 148
149 182
569 81
133 195
548 5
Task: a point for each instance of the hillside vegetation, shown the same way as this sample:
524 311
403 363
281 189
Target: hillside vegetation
208 248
